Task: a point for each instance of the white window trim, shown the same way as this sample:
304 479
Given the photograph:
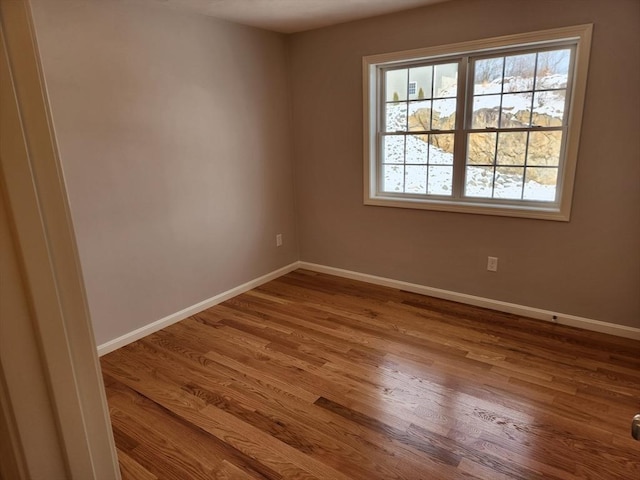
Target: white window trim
559 211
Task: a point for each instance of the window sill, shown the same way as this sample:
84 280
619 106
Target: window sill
547 212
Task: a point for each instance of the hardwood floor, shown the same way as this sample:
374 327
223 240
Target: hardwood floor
314 376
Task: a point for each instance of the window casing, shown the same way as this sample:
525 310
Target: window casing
489 126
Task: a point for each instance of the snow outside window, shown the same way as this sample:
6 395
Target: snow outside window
487 127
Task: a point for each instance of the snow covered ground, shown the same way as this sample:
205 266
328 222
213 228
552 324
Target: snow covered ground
435 178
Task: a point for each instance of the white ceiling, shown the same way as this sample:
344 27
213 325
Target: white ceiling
289 16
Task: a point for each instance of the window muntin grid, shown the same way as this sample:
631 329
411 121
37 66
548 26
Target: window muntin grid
419 125
419 116
517 125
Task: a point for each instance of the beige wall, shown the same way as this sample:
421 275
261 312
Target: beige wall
588 267
174 136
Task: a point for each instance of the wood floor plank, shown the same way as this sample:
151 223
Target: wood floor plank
314 376
132 470
228 471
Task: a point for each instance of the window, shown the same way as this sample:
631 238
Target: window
412 88
488 126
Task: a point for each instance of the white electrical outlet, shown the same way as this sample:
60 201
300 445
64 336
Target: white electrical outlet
279 240
492 264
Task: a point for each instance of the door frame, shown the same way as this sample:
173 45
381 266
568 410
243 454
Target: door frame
40 223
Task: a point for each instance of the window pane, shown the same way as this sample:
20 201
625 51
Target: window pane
446 80
393 178
488 76
516 110
446 108
544 149
479 182
415 179
393 149
396 117
508 182
444 114
441 149
396 85
553 69
423 78
512 148
548 108
541 184
519 72
417 149
481 148
485 111
440 180
420 115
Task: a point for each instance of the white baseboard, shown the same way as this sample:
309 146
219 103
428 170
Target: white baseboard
531 312
141 332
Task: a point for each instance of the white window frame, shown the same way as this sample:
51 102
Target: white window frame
558 210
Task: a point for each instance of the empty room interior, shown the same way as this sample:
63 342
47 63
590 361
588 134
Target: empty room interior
323 239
